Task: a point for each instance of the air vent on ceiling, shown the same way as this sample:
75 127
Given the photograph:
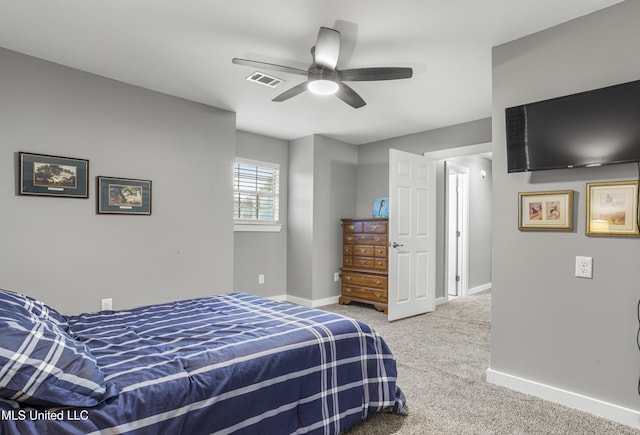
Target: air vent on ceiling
264 79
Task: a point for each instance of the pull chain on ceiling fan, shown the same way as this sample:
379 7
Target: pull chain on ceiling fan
323 77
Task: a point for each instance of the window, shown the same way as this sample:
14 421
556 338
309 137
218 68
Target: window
256 188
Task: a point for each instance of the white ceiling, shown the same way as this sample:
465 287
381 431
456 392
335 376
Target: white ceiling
184 48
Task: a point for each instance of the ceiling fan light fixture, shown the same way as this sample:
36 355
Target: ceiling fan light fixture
322 87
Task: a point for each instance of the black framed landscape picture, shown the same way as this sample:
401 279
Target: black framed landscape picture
123 196
45 175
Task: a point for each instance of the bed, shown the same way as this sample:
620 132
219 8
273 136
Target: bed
233 363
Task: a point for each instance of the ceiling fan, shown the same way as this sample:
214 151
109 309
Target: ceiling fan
324 78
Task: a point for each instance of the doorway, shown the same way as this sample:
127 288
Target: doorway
457 228
478 256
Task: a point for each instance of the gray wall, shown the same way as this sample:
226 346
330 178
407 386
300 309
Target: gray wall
335 175
373 158
547 326
300 223
263 252
322 189
58 249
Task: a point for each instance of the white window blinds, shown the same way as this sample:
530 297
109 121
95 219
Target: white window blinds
256 191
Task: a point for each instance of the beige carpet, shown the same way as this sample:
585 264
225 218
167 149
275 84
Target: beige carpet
442 358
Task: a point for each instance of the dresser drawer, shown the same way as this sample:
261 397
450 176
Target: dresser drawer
364 293
349 239
352 227
363 251
380 264
367 263
357 279
380 251
363 262
374 227
370 239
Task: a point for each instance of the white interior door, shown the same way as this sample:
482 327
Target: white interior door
412 279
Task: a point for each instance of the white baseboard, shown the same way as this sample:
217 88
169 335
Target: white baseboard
310 303
278 298
325 301
573 400
443 300
479 288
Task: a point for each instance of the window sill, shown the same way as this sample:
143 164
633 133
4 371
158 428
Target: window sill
263 228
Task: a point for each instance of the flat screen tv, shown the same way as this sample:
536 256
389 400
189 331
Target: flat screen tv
590 128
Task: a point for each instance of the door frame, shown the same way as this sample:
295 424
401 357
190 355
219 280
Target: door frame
462 209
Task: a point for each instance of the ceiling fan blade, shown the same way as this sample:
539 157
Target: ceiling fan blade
374 74
271 66
349 96
298 89
327 48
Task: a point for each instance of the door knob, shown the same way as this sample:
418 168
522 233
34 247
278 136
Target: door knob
396 245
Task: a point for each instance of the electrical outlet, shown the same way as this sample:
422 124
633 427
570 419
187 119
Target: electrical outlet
584 267
106 304
261 278
336 277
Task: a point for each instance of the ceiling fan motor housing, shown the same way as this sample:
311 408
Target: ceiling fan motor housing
322 81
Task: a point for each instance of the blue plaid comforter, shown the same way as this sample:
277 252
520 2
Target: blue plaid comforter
233 363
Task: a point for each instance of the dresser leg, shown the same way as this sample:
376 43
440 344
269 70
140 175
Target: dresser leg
382 308
344 301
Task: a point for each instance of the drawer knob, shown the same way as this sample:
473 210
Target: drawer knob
347 289
362 261
374 227
380 263
377 239
349 238
379 251
378 282
363 250
378 294
351 227
348 278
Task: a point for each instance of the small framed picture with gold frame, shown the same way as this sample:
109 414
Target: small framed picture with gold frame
612 209
545 211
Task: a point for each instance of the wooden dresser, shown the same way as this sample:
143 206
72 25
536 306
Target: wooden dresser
364 261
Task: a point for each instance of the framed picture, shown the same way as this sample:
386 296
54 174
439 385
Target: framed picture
545 211
123 196
381 207
612 209
44 175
